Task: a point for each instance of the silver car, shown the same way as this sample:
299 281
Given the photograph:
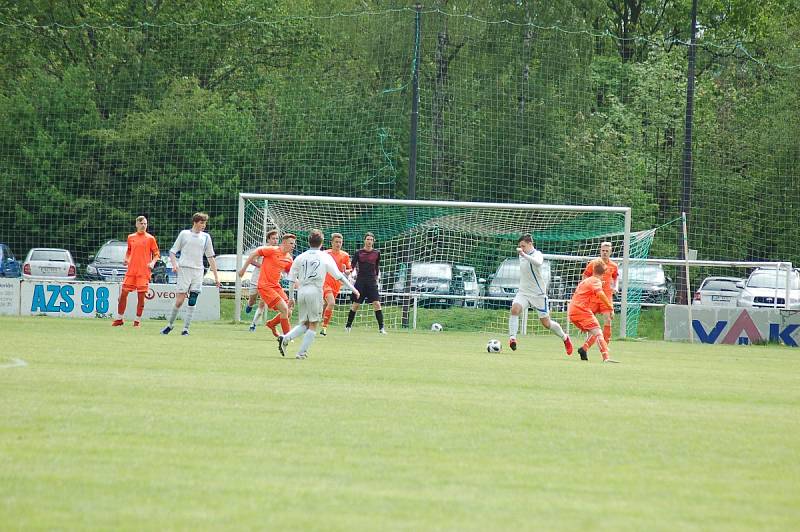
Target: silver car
49 263
766 287
718 291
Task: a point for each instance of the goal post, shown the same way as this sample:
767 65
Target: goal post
447 259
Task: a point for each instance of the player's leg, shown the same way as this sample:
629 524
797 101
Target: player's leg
517 305
354 307
259 310
122 303
182 289
608 316
310 304
195 287
327 310
251 301
142 285
376 306
542 307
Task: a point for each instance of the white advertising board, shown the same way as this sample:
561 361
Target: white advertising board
9 297
99 300
732 325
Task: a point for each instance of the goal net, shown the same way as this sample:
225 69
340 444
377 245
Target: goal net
453 263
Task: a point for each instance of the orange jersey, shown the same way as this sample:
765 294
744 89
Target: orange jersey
142 249
609 277
273 262
586 294
342 260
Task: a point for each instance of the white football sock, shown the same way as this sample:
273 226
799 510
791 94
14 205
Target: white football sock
557 330
513 326
308 338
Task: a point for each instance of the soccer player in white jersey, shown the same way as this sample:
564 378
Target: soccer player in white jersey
272 240
192 244
309 270
532 293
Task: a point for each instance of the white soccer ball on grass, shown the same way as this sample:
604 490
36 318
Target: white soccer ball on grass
437 327
494 346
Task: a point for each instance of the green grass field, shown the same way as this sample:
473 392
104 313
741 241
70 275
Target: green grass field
121 429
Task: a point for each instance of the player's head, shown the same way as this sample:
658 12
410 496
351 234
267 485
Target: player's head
369 240
199 220
336 241
272 238
288 242
141 224
605 250
315 238
598 267
525 242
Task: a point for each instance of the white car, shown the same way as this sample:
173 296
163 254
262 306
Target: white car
766 288
718 291
49 263
227 271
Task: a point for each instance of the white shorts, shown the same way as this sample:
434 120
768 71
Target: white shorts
254 282
537 302
190 280
309 304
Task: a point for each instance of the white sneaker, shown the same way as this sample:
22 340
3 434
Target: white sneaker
347 329
382 331
301 356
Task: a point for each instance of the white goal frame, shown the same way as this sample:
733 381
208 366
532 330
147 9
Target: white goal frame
625 211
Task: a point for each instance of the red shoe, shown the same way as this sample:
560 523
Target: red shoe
116 323
568 345
512 343
272 328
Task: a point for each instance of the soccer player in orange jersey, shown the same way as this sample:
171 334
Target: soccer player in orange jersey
272 240
580 313
331 287
610 279
274 261
140 257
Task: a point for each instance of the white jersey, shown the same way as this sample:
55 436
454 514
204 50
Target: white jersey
534 275
310 268
192 247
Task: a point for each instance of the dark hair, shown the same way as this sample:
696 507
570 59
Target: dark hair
199 217
315 238
368 233
272 232
525 238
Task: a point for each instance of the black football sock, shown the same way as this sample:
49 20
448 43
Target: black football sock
350 317
379 317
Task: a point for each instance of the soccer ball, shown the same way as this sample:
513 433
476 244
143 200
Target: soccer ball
494 346
436 327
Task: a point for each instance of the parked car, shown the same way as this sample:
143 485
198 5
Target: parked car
718 291
651 280
9 265
431 281
766 287
504 283
49 263
227 271
109 262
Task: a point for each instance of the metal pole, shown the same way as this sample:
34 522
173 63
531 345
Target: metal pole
626 268
412 162
686 191
688 288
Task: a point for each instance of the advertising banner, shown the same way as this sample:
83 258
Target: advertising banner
732 325
9 297
99 300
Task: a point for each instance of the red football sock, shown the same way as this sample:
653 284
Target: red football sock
274 321
123 302
285 326
326 316
607 332
140 304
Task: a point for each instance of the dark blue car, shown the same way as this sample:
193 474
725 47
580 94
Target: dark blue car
9 265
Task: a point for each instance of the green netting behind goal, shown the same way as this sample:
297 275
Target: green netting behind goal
458 256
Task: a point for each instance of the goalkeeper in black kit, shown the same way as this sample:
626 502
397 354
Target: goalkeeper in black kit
366 264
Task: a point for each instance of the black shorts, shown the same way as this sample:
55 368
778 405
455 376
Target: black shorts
368 291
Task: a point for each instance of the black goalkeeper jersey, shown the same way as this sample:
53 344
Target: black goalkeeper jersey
367 264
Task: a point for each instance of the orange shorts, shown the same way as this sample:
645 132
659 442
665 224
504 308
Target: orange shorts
272 295
136 283
329 289
583 319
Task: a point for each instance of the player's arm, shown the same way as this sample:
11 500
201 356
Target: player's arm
535 257
615 281
212 263
604 298
155 253
176 247
588 271
250 260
